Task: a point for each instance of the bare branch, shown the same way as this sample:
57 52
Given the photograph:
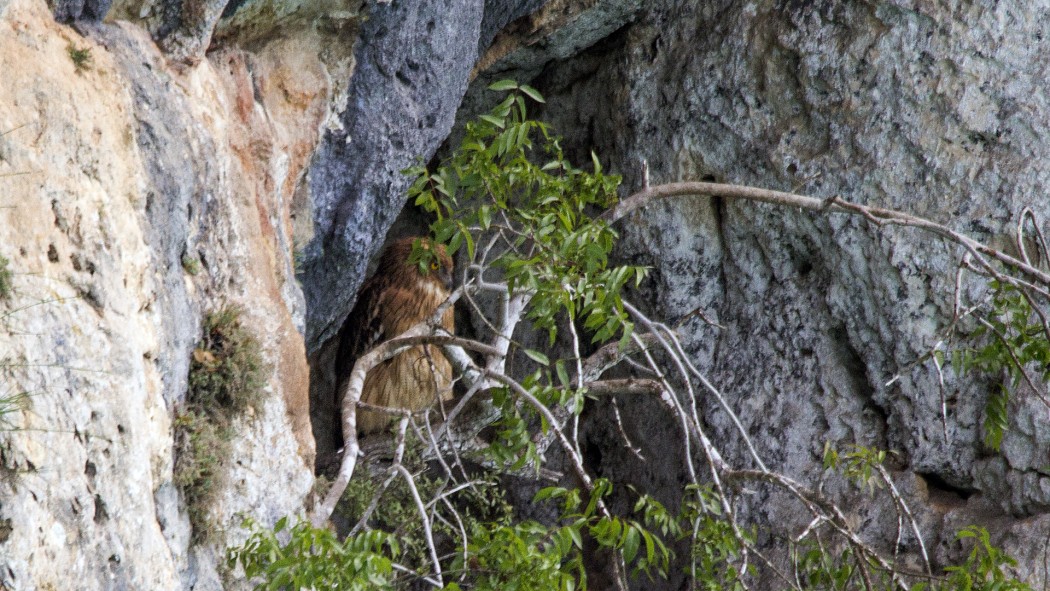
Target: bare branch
628 386
427 530
610 354
903 507
877 215
634 449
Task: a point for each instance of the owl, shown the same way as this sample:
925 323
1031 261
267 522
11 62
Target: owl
399 295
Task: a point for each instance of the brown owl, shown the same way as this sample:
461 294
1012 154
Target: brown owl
399 295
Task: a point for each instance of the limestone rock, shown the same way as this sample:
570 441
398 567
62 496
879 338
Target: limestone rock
933 110
411 71
136 199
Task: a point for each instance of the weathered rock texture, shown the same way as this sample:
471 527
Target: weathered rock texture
411 72
412 67
140 192
934 110
135 199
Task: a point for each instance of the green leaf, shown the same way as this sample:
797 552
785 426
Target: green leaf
577 539
563 373
455 243
631 543
532 93
497 121
537 356
504 85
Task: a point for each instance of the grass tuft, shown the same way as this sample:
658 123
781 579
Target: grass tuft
227 370
227 375
5 278
81 58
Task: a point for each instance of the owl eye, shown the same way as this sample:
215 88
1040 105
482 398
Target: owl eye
434 265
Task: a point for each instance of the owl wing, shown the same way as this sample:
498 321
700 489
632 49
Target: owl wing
383 311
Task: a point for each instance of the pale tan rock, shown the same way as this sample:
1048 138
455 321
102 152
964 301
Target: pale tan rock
99 211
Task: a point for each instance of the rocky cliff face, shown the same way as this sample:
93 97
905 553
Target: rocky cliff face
136 199
145 183
925 108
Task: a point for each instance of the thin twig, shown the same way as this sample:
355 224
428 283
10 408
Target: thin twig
425 519
903 507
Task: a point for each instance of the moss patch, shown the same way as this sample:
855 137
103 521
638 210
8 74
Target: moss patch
81 57
5 278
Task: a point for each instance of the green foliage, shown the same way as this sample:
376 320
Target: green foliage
313 558
1014 338
227 371
558 251
5 278
191 264
499 554
513 445
984 569
521 557
715 548
201 446
481 505
859 464
81 58
819 568
227 374
398 515
642 549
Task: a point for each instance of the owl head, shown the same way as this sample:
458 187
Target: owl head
429 260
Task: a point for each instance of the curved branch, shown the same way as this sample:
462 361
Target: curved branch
422 333
877 215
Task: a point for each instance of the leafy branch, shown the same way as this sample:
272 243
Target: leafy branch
533 255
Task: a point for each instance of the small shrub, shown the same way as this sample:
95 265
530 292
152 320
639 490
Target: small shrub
227 370
191 264
227 374
201 445
313 558
81 58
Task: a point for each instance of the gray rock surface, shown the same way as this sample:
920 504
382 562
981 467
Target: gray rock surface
412 68
914 106
499 14
74 10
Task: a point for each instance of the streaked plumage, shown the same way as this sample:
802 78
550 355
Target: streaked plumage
396 297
